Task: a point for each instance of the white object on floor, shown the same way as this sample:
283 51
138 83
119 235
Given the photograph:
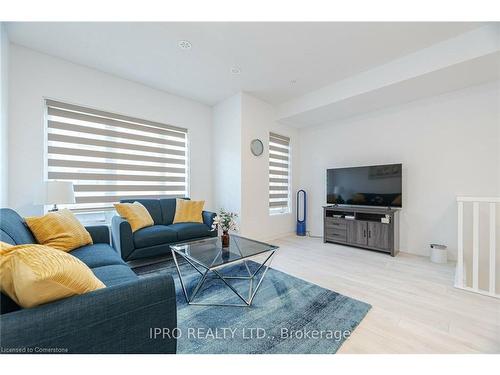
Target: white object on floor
439 253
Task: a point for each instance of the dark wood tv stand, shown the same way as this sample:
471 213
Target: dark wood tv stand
366 230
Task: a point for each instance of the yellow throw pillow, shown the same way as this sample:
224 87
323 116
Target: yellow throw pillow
4 246
136 214
187 211
35 274
60 230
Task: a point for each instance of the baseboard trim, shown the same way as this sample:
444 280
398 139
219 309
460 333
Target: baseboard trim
277 236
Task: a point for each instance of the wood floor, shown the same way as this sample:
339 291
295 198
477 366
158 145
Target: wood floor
416 309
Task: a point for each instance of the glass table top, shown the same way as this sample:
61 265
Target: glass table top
210 254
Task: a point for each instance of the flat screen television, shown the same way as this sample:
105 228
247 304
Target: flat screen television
377 185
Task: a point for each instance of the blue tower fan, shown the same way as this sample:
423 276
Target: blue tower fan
301 212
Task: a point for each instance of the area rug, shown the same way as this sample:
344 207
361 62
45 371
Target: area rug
288 315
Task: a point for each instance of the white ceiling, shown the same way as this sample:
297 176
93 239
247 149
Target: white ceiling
270 55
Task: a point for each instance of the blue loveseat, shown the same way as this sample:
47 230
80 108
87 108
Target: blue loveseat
116 319
154 241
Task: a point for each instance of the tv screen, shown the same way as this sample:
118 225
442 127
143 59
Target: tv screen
378 185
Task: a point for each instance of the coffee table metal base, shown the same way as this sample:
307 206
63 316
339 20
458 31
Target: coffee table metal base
206 271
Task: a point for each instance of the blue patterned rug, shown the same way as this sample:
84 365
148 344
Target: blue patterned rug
288 315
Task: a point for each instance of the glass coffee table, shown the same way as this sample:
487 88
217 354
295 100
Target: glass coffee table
208 258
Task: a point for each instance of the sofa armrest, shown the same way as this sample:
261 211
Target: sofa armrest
121 236
208 217
117 319
99 233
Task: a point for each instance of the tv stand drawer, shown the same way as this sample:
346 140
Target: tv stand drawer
333 234
336 223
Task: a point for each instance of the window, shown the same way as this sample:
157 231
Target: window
111 157
279 174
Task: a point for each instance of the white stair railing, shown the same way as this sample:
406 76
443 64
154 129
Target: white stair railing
461 279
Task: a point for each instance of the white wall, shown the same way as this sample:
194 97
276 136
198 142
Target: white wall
258 119
240 178
448 146
226 140
35 76
4 79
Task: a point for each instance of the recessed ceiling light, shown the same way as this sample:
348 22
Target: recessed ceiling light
184 44
235 70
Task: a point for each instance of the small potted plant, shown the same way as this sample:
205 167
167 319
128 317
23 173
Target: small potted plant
225 221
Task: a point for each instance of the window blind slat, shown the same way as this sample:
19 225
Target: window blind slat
113 188
281 137
276 172
278 165
276 196
278 204
113 166
110 157
277 188
73 176
279 141
276 156
278 149
278 180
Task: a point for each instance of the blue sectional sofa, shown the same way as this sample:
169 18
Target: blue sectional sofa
116 319
154 241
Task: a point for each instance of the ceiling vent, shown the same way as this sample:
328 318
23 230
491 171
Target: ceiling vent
184 44
235 70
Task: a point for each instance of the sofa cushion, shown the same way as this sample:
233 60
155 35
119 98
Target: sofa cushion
13 229
152 205
136 214
32 275
187 231
5 246
188 211
155 235
97 255
115 274
168 206
150 252
60 230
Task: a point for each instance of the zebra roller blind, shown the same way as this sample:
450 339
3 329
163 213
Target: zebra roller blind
111 157
279 173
